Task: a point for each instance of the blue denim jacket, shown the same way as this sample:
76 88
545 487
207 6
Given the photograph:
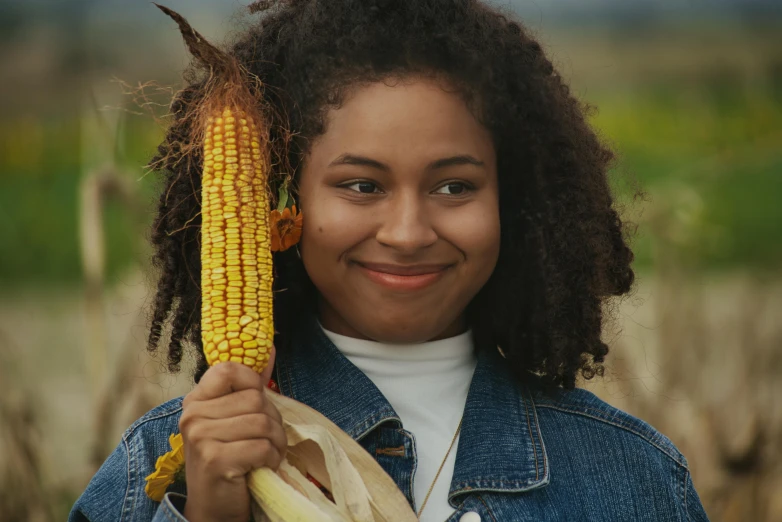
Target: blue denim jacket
522 456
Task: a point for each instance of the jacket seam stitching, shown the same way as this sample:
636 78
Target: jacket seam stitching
532 439
129 497
488 509
129 433
169 515
614 421
127 471
372 421
684 495
456 508
410 437
492 481
170 511
540 438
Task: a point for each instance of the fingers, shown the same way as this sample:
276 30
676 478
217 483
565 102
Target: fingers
233 460
243 427
237 404
224 378
232 405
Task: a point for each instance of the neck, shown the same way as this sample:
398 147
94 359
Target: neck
431 356
332 321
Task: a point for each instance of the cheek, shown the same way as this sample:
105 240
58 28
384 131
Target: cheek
485 233
476 233
321 246
328 229
483 250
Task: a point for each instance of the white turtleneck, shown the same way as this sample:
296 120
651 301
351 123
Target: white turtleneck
427 386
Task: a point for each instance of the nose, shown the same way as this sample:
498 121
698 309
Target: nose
406 225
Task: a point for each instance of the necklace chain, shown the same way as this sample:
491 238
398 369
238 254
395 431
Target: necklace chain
437 475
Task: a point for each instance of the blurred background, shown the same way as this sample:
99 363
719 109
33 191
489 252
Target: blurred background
689 93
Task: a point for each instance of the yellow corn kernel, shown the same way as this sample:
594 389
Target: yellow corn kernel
236 276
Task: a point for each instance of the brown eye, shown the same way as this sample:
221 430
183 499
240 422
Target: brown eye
452 189
364 187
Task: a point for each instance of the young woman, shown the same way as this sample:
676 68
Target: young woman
458 245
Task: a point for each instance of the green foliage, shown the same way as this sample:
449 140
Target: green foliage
709 157
708 154
39 201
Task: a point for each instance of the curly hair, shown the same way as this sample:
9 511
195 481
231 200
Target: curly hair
564 248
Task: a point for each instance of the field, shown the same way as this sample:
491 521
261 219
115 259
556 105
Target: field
694 112
698 359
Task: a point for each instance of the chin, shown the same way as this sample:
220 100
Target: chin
404 331
397 337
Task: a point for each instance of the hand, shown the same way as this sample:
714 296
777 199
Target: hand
229 429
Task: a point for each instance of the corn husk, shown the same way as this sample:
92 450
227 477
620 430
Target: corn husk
362 490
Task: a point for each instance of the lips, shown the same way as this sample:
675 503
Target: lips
403 277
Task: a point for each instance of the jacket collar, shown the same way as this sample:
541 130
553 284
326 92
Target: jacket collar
500 447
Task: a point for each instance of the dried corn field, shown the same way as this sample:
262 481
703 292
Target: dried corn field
698 359
691 105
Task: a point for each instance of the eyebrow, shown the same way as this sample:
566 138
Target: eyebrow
354 159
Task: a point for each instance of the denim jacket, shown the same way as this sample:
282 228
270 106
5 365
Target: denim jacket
523 455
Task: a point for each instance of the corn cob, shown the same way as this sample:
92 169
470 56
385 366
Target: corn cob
236 260
236 268
236 280
236 274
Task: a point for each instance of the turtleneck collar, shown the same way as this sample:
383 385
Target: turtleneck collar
457 348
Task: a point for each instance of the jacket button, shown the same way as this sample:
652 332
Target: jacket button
470 516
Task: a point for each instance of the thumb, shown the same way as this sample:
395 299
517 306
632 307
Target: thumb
266 374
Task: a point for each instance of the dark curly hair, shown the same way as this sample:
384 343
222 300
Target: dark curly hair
563 249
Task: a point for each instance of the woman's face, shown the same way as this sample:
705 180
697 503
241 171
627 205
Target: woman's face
401 217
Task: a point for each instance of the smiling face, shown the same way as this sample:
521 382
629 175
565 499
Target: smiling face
401 216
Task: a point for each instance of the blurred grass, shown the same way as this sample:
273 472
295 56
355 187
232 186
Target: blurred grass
39 201
719 145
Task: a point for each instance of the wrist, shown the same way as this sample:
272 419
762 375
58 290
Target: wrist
191 514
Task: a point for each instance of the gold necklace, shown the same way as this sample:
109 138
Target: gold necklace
426 498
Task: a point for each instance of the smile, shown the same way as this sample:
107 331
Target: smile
402 277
